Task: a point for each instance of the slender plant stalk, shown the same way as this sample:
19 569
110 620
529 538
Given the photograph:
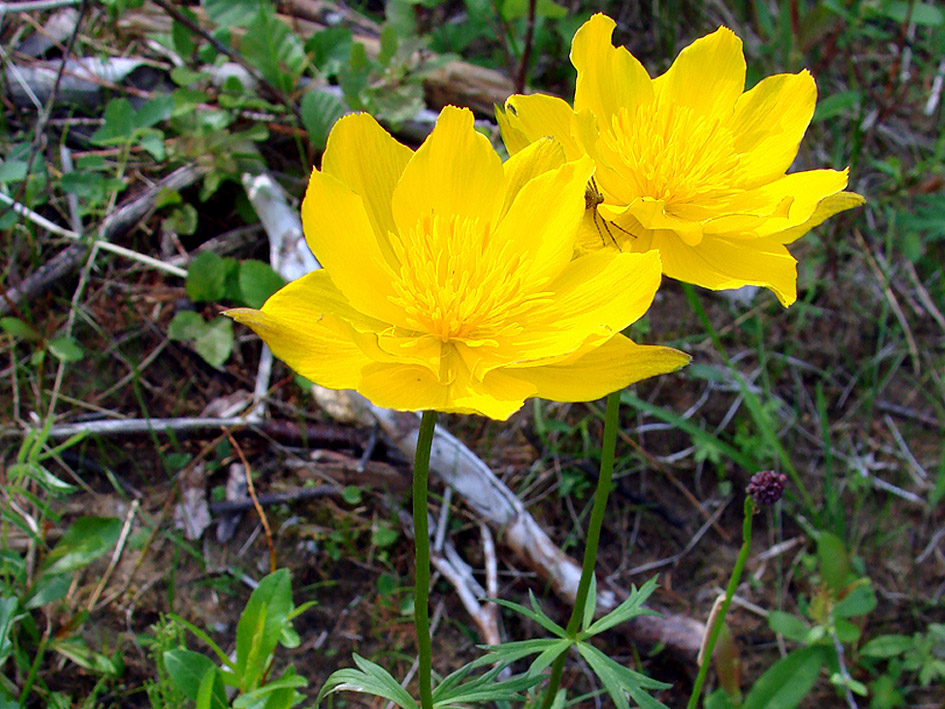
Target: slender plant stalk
608 447
421 544
729 592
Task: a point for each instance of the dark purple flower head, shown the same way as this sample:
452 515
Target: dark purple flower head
766 487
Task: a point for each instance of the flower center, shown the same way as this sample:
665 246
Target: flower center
672 154
457 283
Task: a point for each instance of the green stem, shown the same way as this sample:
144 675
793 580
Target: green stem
421 536
729 593
608 447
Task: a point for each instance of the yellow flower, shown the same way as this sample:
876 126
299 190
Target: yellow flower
688 163
448 280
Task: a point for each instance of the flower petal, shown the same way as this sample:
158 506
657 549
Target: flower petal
543 220
609 78
708 76
826 208
367 160
292 323
454 173
808 190
604 369
768 125
533 160
719 263
596 296
414 388
340 234
529 118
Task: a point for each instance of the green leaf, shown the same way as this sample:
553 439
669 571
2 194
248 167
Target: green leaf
920 13
211 694
257 281
8 606
329 50
591 604
369 678
484 688
260 626
320 110
182 219
274 49
834 560
384 536
67 349
186 326
187 670
119 125
630 608
12 170
787 681
620 681
547 649
87 539
206 278
859 601
515 9
47 589
837 104
154 111
216 343
81 654
788 625
18 328
536 615
885 646
232 13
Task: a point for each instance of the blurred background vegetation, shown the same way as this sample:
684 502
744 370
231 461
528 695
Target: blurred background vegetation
131 133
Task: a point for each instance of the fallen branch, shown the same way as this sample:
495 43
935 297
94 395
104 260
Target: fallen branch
118 223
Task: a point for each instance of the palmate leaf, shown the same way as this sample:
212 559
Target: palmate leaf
452 692
630 608
619 681
547 650
535 614
369 678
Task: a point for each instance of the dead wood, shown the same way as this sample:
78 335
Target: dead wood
120 222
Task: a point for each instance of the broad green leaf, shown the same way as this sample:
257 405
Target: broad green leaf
232 13
834 560
47 589
859 601
369 678
837 104
216 343
887 646
66 348
154 111
18 328
785 684
329 50
260 626
187 670
186 325
514 9
12 170
211 694
320 110
119 123
87 539
206 277
277 693
274 49
788 625
921 13
258 281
